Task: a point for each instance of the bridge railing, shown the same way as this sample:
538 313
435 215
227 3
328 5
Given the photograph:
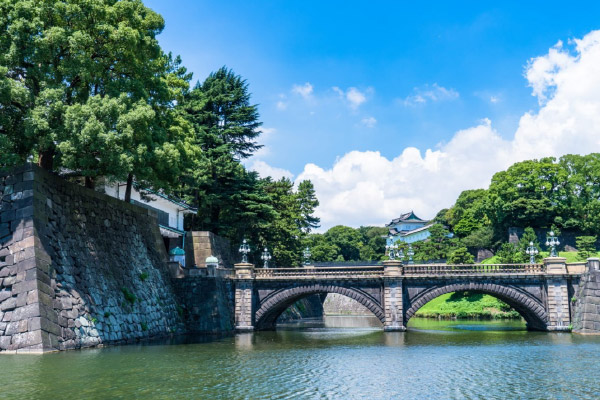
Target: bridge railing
459 269
360 271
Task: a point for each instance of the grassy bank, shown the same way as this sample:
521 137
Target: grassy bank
467 305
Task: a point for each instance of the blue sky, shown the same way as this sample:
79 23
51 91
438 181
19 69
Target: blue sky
336 77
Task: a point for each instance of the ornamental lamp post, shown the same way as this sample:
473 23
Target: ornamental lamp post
391 248
306 254
266 257
552 241
410 253
531 251
244 250
400 255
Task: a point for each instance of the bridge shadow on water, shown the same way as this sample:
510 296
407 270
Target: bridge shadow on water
315 333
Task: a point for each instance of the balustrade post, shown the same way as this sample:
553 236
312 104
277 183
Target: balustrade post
393 272
244 297
593 264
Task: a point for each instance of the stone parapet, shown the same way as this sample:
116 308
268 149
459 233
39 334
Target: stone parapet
392 268
555 265
244 270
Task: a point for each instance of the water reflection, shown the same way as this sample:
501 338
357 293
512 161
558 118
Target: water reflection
244 341
322 359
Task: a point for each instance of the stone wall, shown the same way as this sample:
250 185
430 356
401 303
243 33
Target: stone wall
568 238
586 315
337 304
201 244
206 304
308 307
78 268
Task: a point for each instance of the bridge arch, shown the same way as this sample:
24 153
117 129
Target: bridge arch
276 303
526 304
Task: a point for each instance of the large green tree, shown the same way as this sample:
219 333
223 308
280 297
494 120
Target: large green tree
83 79
526 194
225 127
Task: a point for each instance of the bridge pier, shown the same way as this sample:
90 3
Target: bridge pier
559 317
393 296
244 301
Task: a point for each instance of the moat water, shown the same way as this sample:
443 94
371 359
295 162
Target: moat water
341 358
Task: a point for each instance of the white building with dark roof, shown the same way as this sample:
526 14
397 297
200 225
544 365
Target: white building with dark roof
170 211
409 228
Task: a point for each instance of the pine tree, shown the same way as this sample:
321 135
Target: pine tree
307 204
586 246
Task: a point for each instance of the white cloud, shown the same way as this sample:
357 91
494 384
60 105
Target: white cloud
265 170
494 99
353 96
303 90
366 188
369 122
281 105
430 93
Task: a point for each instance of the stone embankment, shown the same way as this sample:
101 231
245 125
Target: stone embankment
79 269
337 304
586 301
308 307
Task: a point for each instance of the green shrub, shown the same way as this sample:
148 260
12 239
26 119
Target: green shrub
461 256
144 326
107 314
129 296
586 247
179 310
144 275
508 253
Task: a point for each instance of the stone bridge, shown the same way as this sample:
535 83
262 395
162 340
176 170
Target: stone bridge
394 292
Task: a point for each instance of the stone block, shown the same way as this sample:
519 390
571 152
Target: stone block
26 312
28 176
27 339
4 342
8 304
24 287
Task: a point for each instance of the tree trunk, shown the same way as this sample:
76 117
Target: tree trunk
46 159
90 182
128 188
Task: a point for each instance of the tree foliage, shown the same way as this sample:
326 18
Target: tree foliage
86 87
548 193
460 255
343 243
586 246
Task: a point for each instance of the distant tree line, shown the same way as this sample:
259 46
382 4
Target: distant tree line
549 193
86 91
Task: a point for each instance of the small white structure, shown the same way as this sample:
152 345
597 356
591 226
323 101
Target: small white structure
170 211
